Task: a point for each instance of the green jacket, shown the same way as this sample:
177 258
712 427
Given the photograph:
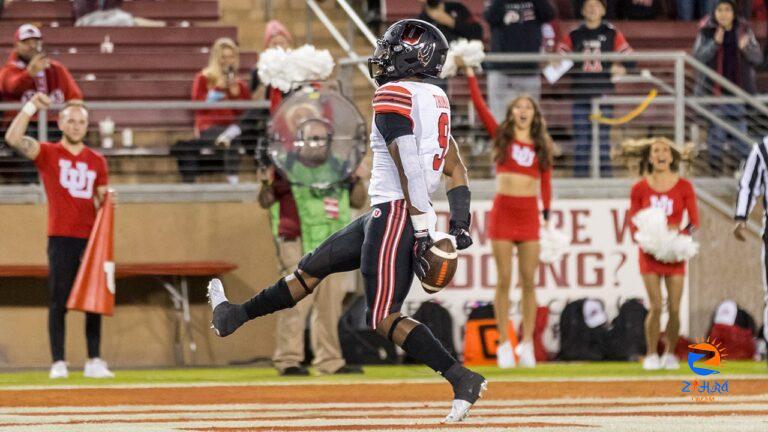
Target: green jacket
321 211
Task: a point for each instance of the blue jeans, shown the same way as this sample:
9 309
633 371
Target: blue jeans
723 150
582 135
686 9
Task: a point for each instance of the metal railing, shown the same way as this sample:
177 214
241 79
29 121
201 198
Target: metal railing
684 110
154 141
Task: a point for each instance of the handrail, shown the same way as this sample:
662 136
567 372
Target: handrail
152 104
358 22
320 14
731 87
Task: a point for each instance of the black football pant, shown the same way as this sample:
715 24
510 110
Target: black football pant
64 255
380 244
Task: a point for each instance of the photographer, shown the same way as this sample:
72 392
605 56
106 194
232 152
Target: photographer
452 18
28 71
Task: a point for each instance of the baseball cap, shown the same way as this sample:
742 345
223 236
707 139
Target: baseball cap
27 31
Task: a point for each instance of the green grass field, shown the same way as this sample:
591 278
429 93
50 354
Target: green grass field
257 375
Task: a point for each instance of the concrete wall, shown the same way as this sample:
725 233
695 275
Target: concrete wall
142 329
724 269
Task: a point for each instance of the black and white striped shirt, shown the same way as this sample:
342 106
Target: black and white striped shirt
753 182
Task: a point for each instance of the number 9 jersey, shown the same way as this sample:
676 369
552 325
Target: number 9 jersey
427 108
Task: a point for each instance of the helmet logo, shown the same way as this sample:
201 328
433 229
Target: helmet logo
425 53
412 34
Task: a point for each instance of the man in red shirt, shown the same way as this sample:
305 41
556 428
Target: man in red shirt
75 180
29 70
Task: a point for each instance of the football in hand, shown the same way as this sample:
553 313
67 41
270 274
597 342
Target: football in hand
442 258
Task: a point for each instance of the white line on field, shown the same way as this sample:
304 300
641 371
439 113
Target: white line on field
306 382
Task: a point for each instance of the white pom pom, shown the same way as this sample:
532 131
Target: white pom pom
470 51
284 70
554 244
272 67
655 238
311 64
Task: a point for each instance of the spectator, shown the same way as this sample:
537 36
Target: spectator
688 10
592 79
303 217
726 44
75 180
27 71
578 6
452 18
218 82
515 28
108 13
275 36
640 9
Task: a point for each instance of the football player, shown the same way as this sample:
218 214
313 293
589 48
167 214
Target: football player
411 152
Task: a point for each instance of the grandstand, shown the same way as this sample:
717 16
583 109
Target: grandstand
171 236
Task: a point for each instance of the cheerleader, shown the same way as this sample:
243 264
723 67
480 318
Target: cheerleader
522 151
662 187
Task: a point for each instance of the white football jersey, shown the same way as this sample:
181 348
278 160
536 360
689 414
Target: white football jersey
426 105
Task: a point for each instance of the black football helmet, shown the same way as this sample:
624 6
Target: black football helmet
409 47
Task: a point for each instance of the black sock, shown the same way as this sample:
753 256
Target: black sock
422 345
275 298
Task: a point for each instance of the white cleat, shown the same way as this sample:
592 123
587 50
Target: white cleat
669 362
216 294
652 362
97 368
526 355
58 370
466 392
459 411
505 357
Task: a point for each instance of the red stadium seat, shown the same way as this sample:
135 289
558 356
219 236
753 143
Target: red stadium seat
61 11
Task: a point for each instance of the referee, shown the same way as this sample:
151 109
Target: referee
752 184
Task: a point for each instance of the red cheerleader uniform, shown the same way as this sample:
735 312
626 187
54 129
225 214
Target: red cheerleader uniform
514 218
681 198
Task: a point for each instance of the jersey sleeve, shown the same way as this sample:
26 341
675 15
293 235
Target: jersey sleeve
102 175
482 108
41 161
392 98
620 44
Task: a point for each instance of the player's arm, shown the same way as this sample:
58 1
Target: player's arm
15 135
397 131
459 195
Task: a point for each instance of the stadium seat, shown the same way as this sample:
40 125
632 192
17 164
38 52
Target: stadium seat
60 12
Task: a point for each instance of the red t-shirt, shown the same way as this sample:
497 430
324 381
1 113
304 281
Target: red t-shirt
204 119
70 185
675 202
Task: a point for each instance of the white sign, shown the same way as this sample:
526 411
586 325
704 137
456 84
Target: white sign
602 264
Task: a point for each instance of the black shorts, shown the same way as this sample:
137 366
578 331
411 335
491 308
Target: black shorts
380 244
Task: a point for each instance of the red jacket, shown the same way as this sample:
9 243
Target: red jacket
204 119
17 85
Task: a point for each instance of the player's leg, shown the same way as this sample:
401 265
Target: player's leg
387 269
338 253
674 284
528 263
502 254
652 283
324 322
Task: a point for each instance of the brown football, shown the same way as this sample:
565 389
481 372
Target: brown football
442 258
